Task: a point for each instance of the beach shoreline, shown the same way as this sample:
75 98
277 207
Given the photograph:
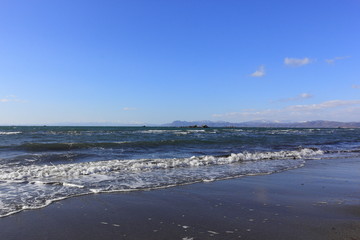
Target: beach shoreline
318 201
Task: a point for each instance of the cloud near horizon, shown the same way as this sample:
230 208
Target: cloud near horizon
299 97
333 60
260 72
297 62
129 109
338 110
10 98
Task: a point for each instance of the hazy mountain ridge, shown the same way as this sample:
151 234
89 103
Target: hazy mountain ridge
276 124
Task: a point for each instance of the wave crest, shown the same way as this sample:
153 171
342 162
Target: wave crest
72 170
9 133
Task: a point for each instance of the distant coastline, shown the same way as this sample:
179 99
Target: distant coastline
307 124
205 124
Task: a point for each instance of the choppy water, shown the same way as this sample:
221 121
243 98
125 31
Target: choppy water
39 165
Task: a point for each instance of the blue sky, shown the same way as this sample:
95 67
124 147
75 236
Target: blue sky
148 62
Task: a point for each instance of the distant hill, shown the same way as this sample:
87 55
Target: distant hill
308 124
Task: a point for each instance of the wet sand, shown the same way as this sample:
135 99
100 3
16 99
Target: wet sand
318 201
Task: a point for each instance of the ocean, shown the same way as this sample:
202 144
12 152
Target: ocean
40 165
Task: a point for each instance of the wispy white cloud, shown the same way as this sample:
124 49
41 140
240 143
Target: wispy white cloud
333 60
340 110
305 95
299 97
260 72
10 98
297 62
129 109
356 86
324 105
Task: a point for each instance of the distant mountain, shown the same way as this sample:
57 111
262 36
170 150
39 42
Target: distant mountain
275 124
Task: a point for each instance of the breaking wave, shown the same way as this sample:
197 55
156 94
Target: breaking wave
9 133
105 167
36 186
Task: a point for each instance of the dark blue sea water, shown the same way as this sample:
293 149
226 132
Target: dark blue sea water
40 165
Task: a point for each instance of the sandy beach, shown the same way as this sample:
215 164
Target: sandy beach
318 201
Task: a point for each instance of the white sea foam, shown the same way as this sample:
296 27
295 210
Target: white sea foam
9 133
181 133
95 190
175 132
35 186
72 185
33 172
158 131
196 131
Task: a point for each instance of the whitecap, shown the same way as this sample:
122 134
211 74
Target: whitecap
9 133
